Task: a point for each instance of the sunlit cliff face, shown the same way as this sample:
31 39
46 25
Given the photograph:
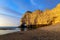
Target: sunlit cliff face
56 12
45 17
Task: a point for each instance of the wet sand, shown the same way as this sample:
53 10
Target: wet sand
43 33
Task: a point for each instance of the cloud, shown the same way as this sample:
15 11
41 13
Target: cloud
10 12
33 2
9 17
9 21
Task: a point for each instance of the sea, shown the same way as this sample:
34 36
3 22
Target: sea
6 30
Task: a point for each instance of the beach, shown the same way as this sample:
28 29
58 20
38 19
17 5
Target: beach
51 32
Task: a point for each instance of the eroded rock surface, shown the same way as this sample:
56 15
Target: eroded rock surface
39 17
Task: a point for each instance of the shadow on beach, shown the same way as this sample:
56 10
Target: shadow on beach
42 33
32 35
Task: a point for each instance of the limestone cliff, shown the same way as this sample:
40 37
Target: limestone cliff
56 12
39 17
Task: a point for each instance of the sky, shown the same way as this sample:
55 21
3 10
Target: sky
12 10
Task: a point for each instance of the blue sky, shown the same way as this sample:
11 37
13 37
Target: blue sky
21 6
16 8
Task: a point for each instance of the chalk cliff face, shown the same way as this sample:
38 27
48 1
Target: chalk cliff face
41 18
26 17
56 12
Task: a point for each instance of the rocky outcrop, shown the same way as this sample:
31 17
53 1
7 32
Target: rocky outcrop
56 12
38 17
26 18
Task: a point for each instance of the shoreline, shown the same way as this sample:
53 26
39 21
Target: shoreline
43 33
